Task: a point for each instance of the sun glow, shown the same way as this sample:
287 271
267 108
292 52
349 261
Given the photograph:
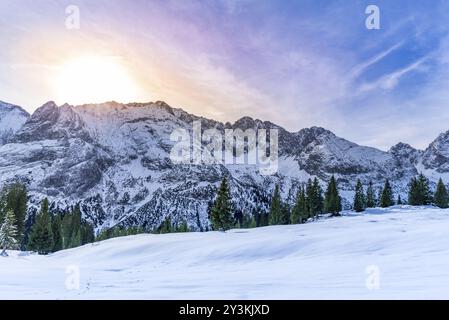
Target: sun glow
94 79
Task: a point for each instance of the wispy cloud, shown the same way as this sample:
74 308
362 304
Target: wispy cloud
390 81
360 68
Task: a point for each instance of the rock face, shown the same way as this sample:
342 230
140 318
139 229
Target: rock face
11 119
114 159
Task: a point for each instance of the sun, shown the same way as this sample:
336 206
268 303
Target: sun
94 79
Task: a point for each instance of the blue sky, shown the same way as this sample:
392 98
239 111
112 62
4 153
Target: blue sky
295 63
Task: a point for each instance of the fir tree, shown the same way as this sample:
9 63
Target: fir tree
166 226
221 212
332 202
66 230
14 197
386 199
370 196
314 198
75 227
419 191
41 236
183 227
75 241
87 233
413 197
359 197
8 233
299 211
425 195
57 233
276 208
441 197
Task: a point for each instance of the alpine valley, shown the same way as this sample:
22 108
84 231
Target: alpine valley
113 159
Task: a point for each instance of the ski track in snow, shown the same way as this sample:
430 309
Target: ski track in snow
327 259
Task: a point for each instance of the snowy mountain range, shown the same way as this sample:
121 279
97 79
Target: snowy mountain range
11 119
114 159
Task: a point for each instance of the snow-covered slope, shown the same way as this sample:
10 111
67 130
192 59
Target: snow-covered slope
11 119
114 159
338 258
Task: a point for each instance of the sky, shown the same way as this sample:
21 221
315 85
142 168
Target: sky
297 63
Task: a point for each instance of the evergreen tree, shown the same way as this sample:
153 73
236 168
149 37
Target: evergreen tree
419 191
386 199
75 227
88 233
221 212
332 202
183 227
75 241
441 197
285 214
57 233
66 230
8 233
299 211
166 226
359 197
14 197
41 236
314 198
275 215
370 196
413 196
425 195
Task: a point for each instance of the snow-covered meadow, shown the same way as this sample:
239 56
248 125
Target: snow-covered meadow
395 253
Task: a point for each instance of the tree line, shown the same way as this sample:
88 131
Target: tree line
49 231
311 201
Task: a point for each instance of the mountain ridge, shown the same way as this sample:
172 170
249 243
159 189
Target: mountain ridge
114 159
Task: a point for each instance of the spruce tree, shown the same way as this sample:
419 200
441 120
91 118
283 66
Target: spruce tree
386 199
76 239
221 212
8 233
419 191
166 226
413 196
285 214
359 197
299 211
441 197
88 233
75 227
276 208
57 233
183 227
425 195
314 198
332 202
41 236
14 197
370 196
66 230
